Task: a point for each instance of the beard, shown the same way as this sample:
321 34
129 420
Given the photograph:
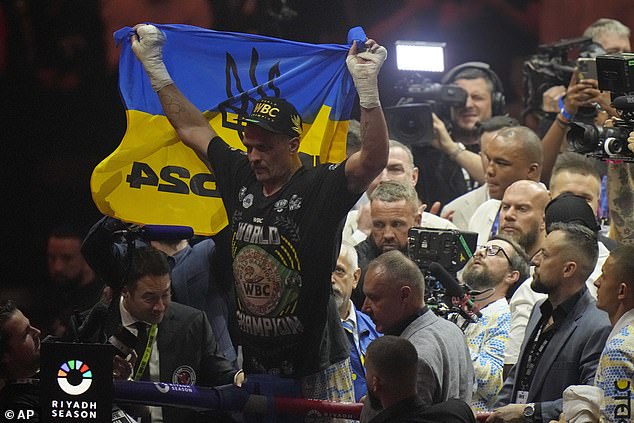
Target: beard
539 286
528 239
339 299
478 279
375 402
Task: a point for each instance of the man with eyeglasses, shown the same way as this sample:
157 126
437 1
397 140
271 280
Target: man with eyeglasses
492 274
565 333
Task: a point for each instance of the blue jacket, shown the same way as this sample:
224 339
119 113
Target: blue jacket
367 333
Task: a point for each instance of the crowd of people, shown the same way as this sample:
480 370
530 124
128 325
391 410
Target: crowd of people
330 304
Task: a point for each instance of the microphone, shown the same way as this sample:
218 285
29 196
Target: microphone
93 322
158 232
454 289
123 340
624 103
451 285
166 232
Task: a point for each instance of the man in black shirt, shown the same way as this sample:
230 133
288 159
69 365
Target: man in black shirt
392 368
285 220
452 167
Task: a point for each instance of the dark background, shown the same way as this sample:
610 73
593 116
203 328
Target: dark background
61 108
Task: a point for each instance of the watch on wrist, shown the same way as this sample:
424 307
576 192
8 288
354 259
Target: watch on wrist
459 149
529 412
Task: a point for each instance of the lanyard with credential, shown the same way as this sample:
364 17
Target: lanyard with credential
147 353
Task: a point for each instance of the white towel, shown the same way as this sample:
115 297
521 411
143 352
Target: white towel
582 403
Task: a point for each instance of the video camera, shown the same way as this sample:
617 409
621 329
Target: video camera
615 73
448 247
440 253
410 120
553 65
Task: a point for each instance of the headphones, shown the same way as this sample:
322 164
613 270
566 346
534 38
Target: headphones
498 103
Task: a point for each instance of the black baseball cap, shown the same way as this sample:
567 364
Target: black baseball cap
570 208
276 115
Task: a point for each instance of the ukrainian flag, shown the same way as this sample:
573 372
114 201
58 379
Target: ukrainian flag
152 178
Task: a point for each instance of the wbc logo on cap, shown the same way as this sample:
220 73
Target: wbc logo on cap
262 108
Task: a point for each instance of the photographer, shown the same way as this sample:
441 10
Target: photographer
610 34
581 93
455 167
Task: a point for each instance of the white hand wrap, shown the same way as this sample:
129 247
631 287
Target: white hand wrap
149 51
365 75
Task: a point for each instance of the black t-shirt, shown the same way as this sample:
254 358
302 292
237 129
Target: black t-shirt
284 250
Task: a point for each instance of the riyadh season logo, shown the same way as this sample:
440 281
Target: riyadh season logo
74 377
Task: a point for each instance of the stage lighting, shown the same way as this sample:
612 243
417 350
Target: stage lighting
420 56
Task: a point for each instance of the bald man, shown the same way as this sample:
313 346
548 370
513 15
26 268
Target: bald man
522 214
513 155
522 217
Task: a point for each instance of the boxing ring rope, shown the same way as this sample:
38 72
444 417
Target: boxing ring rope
228 398
233 398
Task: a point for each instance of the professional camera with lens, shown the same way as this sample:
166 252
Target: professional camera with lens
615 73
410 120
451 249
553 65
448 247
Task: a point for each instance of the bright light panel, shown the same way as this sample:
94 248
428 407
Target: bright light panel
420 56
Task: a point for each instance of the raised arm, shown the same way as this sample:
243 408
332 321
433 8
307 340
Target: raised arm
466 159
363 166
580 93
190 124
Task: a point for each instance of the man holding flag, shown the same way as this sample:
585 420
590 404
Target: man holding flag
284 219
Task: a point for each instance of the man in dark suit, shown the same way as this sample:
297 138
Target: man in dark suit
565 333
175 342
196 283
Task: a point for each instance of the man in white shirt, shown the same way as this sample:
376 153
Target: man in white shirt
616 364
494 271
175 343
514 154
460 210
400 167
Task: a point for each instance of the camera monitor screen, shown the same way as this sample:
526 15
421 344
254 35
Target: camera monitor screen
420 56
